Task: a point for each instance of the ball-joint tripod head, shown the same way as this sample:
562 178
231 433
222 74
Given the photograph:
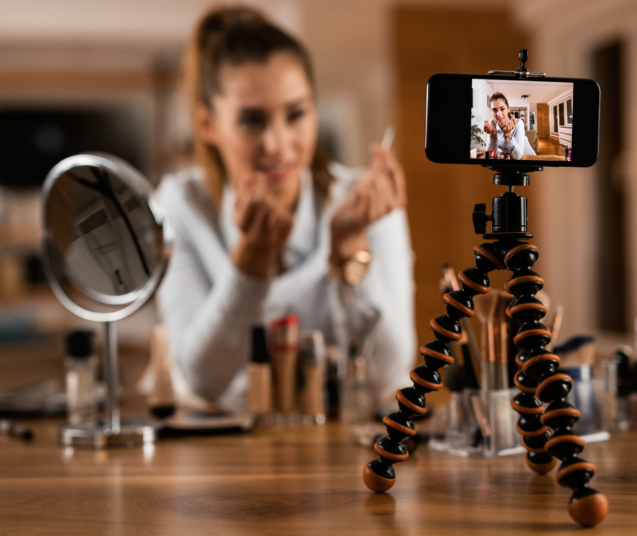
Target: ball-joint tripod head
509 211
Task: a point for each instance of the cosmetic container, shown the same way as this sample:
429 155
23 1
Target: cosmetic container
81 370
333 383
312 377
260 375
356 403
161 400
285 341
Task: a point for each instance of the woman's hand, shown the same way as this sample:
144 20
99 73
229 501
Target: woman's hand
379 190
491 130
508 128
265 227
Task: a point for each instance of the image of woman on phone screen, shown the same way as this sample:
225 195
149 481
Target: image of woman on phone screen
506 133
265 225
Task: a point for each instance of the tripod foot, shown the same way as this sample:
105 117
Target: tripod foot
590 510
375 482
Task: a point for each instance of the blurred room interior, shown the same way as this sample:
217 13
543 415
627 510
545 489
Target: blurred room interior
109 73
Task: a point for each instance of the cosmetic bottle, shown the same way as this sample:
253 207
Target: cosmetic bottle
260 376
285 341
356 406
312 377
81 371
624 379
161 400
332 383
568 154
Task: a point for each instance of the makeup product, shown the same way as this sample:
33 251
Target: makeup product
582 396
454 373
15 430
356 406
285 341
576 351
484 306
501 330
260 375
468 344
312 367
624 378
333 385
388 138
484 433
554 324
161 399
81 371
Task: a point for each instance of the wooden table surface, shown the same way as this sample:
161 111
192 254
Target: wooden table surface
291 481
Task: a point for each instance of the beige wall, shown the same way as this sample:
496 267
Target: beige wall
566 233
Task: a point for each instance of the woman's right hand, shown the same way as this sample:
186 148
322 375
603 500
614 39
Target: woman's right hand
491 130
264 225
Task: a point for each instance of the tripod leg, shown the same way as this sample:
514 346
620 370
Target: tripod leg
534 433
540 371
379 475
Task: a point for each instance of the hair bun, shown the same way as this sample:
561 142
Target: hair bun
230 18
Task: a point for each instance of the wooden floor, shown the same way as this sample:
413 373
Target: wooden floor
551 146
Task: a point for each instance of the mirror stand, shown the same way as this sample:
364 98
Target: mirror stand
105 249
112 430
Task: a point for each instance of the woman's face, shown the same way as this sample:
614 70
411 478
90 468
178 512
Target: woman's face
265 121
500 110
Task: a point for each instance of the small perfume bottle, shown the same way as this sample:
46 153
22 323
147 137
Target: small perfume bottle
356 406
81 368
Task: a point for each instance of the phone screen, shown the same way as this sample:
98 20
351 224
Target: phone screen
521 120
506 122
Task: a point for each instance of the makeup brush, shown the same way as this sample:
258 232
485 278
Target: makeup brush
556 323
454 373
485 305
470 352
502 339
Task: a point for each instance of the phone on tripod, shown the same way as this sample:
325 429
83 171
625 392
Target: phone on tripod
505 121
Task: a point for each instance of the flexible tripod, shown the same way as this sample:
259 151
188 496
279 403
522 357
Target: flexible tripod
546 431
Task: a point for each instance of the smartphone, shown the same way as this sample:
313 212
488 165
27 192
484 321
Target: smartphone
504 121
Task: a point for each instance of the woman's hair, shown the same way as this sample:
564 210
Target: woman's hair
234 36
497 95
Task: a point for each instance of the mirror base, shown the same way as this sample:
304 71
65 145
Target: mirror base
133 432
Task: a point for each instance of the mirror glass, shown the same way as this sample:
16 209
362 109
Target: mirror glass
104 236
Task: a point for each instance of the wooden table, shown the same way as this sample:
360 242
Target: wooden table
291 481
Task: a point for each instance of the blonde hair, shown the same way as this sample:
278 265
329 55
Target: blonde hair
236 35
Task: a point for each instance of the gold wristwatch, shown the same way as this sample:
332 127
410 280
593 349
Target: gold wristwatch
353 270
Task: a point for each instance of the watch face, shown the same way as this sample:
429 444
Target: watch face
354 271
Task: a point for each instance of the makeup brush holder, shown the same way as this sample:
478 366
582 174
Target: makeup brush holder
480 423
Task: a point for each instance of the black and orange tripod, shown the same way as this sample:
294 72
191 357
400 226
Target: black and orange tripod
546 418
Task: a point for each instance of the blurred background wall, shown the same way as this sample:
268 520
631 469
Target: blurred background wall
115 65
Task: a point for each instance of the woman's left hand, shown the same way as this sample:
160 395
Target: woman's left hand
508 128
379 190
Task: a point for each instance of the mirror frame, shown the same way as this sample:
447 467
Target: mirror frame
131 301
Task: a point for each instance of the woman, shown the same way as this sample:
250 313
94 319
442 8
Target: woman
266 227
506 133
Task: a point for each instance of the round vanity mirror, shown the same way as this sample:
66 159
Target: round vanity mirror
105 249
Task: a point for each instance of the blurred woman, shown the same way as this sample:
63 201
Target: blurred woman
266 226
506 133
